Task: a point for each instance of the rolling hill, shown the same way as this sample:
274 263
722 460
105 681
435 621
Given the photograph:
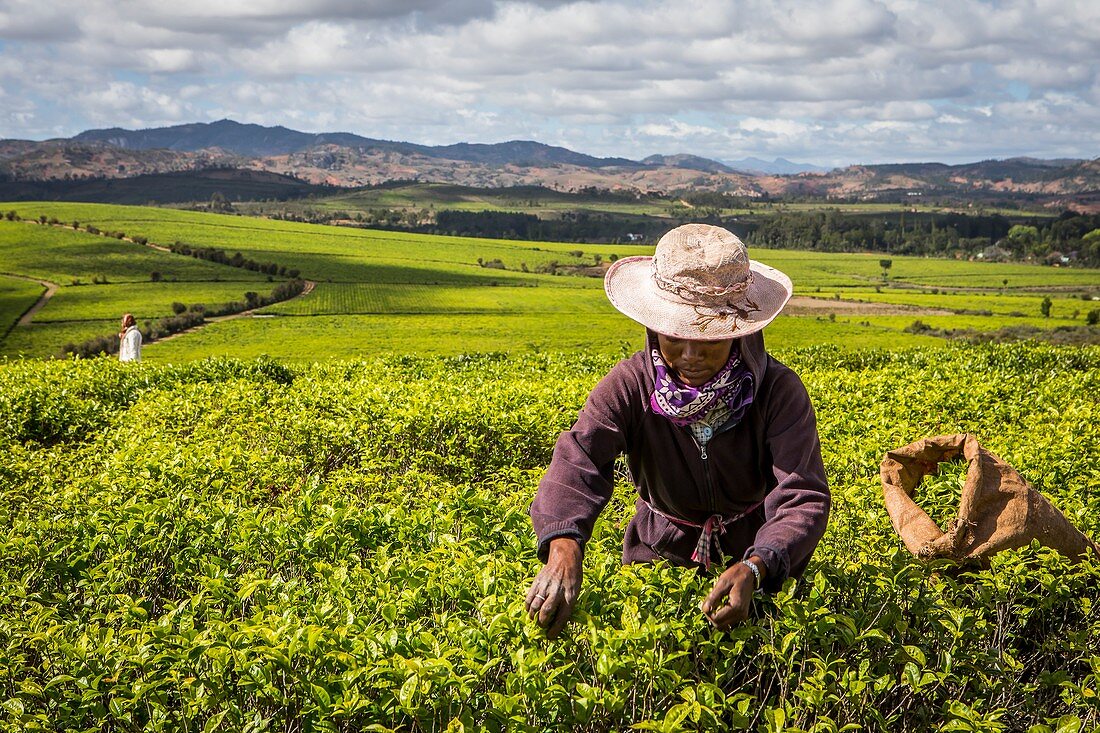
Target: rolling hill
348 160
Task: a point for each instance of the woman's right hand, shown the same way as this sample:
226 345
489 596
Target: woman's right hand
551 598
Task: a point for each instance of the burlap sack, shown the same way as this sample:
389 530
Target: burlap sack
998 510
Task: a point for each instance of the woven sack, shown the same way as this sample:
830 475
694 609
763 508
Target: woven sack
998 510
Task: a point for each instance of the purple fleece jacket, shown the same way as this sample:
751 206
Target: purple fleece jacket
773 455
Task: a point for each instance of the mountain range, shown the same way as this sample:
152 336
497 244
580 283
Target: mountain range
260 142
348 160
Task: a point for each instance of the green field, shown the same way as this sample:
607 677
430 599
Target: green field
370 298
339 254
387 292
145 300
16 296
48 339
344 546
545 203
810 270
336 539
949 299
63 256
100 278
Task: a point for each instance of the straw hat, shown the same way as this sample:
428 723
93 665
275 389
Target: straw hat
699 284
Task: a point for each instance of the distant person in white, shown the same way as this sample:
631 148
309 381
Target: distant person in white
129 346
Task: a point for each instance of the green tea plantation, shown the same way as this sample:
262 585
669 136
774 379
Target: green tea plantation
344 546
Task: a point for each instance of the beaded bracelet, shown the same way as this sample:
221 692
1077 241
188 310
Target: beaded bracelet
755 572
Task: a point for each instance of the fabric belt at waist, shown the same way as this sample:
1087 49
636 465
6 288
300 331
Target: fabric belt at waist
714 525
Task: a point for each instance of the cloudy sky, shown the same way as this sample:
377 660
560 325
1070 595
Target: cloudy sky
828 82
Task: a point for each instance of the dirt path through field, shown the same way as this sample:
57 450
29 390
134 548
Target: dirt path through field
51 288
802 305
309 286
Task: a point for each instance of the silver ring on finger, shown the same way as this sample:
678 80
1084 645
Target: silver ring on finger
541 598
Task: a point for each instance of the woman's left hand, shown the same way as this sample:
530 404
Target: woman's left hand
731 598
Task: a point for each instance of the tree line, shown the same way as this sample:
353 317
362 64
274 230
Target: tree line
1069 238
581 227
213 254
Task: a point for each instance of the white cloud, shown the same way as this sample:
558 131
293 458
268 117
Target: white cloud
828 80
310 48
1048 73
168 60
132 103
674 130
28 20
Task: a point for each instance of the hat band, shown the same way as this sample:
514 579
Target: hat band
703 294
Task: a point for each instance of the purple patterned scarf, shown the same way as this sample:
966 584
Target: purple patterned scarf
684 405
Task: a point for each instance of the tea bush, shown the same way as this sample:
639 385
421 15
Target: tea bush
234 545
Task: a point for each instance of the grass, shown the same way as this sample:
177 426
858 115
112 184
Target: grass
80 309
47 339
343 254
303 339
811 270
16 296
1010 303
145 300
339 254
359 336
62 255
382 298
400 293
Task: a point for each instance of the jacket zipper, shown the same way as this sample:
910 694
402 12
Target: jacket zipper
712 499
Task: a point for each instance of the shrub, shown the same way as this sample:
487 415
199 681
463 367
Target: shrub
248 545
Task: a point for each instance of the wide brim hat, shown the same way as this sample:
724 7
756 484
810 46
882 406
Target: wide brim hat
699 284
